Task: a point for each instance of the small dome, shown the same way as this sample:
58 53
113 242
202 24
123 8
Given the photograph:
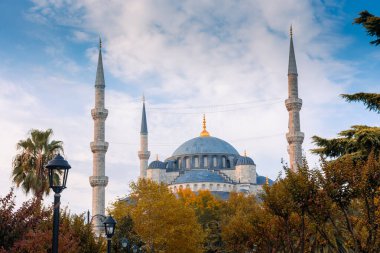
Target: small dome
245 160
157 165
170 166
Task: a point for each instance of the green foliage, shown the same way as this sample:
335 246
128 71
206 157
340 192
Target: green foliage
371 100
356 142
371 23
28 170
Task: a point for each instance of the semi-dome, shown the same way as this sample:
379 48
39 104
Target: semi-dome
197 176
245 160
205 145
157 165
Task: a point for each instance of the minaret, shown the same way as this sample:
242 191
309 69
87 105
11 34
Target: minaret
293 105
99 148
143 154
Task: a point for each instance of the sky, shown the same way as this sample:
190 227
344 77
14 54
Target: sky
227 59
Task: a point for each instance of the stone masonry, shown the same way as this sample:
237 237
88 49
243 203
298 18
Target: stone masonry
293 105
99 148
143 154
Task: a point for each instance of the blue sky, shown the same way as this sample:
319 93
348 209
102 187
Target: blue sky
227 59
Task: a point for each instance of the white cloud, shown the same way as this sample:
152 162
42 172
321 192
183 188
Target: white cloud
181 54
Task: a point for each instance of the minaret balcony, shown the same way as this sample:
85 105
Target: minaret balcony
296 137
144 155
99 146
99 113
98 181
293 104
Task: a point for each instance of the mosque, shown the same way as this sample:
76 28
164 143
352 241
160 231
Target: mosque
201 163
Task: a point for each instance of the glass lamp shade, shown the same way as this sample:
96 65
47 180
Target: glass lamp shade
135 248
58 170
109 226
124 242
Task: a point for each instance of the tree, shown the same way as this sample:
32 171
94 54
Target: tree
371 23
14 224
28 165
28 229
161 220
238 223
208 211
357 142
371 100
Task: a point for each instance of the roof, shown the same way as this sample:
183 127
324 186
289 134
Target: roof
99 71
157 165
197 176
245 160
205 145
144 125
292 68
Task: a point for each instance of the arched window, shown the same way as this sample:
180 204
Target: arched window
187 163
196 162
214 161
205 162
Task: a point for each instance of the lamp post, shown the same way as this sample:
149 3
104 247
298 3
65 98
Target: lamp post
58 170
109 226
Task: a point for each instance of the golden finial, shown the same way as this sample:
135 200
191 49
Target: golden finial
100 43
291 30
156 157
245 153
143 98
204 133
266 181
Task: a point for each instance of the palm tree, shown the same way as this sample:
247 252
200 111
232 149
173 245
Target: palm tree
28 165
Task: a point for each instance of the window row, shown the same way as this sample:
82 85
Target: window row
203 162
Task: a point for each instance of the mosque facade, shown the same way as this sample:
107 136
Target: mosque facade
201 163
210 163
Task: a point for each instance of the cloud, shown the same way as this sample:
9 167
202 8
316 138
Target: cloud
227 59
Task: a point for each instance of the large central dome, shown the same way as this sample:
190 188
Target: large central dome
205 145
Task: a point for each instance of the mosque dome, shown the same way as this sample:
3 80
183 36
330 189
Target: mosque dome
205 145
157 165
245 160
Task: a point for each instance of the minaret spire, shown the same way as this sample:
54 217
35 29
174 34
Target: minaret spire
143 154
293 105
99 146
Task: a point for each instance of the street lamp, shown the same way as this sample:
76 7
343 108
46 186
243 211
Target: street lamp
135 248
124 243
109 226
58 170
